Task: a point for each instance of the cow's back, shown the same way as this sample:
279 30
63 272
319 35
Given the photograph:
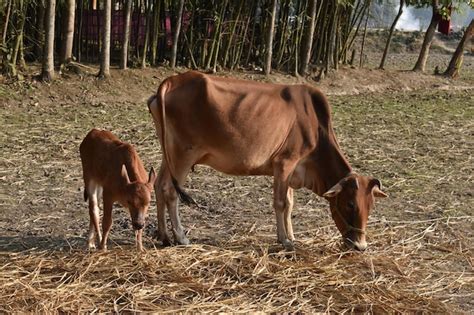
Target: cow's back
236 126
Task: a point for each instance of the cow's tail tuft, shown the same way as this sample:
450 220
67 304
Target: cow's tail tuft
183 196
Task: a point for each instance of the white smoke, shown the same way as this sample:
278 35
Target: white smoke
408 21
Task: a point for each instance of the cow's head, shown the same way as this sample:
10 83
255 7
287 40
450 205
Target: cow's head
137 197
351 201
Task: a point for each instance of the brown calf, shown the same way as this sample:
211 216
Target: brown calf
112 168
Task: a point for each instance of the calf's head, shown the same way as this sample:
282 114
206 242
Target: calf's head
351 201
137 197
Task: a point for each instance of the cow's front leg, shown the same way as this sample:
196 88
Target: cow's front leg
281 204
288 210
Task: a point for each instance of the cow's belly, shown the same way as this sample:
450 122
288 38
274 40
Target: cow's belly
237 164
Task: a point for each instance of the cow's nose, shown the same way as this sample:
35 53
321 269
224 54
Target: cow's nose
138 225
360 246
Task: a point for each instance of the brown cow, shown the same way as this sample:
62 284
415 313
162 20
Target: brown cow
113 169
248 128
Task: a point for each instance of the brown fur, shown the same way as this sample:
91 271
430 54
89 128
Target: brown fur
114 167
249 128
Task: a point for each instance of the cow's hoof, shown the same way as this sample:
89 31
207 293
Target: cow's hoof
182 241
288 245
165 242
180 237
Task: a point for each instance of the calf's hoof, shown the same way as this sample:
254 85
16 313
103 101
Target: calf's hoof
91 247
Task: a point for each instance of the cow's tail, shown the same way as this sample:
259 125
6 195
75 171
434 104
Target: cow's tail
161 95
86 195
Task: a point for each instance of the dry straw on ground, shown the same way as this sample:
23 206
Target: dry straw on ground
245 274
420 255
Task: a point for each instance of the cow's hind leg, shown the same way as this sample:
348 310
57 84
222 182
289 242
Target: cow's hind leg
182 167
93 193
161 205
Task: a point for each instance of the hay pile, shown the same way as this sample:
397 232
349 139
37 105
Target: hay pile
247 274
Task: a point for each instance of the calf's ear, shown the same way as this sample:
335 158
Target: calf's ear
333 191
151 176
124 174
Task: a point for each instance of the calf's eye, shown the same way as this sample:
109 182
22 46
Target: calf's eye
351 205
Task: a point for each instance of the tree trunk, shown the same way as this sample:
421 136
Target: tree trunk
308 41
147 33
156 33
105 60
423 57
39 32
47 73
18 46
79 31
177 30
269 43
390 34
126 35
66 51
456 61
363 38
7 18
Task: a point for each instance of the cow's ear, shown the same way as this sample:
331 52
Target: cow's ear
376 186
151 177
333 191
124 174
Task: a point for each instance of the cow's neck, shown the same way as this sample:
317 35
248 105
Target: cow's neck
326 166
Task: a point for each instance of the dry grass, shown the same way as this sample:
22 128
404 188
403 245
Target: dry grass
244 275
421 239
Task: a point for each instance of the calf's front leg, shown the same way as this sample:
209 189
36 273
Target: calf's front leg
138 239
106 222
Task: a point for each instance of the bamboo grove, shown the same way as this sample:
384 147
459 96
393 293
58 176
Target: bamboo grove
292 36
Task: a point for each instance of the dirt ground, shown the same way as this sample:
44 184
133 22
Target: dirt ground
412 131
